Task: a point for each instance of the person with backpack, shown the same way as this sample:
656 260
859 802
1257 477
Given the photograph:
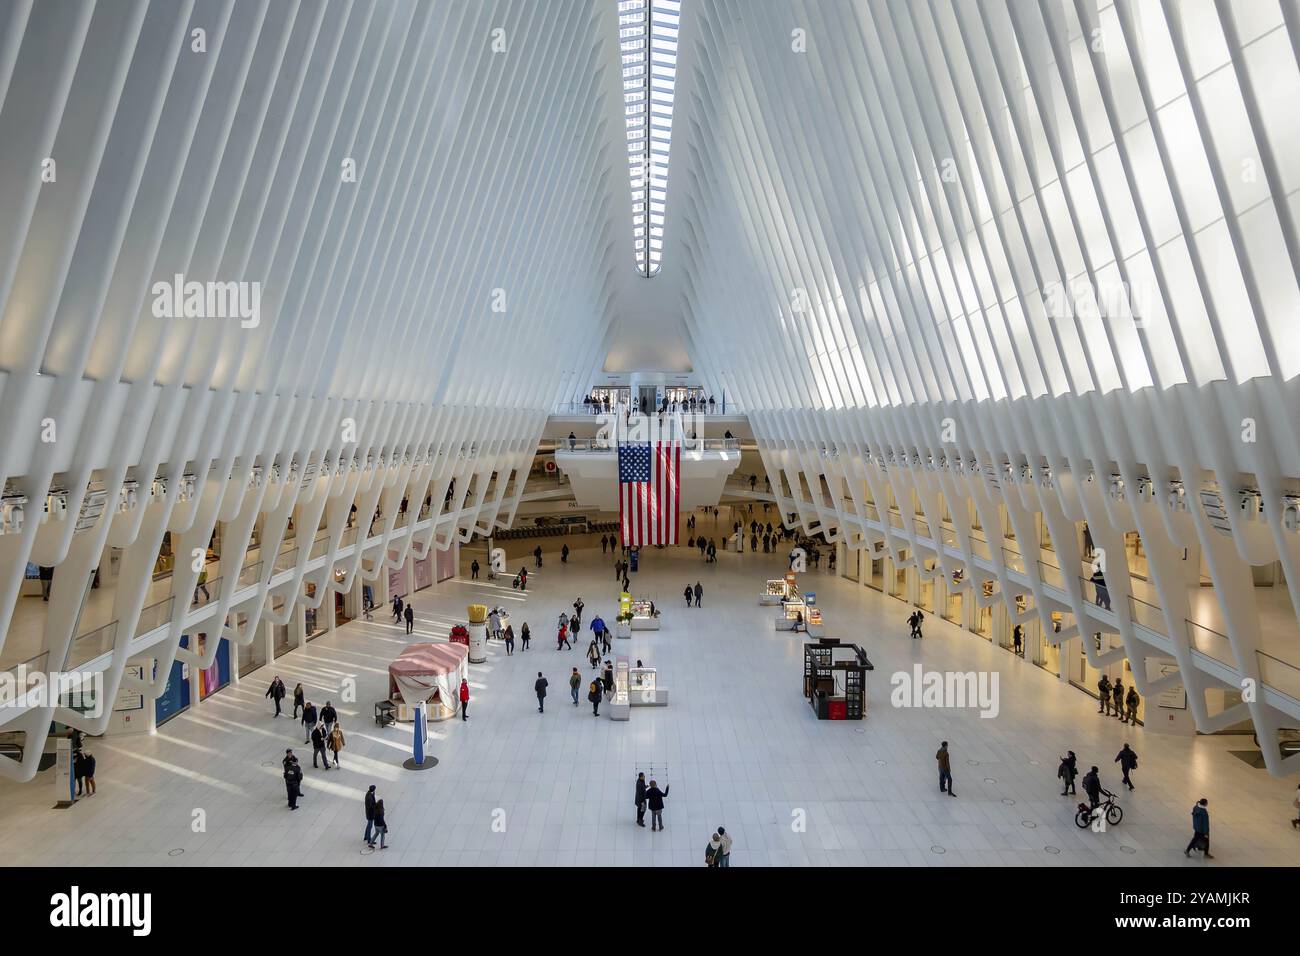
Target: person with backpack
1067 771
1103 695
1200 829
539 688
712 851
276 693
575 682
594 695
724 854
1128 761
1131 701
464 699
336 742
1117 698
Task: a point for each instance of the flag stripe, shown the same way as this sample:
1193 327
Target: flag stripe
649 476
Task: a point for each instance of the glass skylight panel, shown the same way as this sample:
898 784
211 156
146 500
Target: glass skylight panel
647 31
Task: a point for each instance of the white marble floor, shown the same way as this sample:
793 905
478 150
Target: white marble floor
739 746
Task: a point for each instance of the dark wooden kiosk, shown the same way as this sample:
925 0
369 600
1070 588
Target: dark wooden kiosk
835 679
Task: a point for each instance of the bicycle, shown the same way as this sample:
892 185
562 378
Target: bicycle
1112 810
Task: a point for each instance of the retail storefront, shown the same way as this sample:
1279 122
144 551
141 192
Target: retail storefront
213 678
445 561
175 697
252 655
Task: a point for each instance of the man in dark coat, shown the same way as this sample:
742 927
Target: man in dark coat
292 779
318 746
539 688
308 721
640 799
655 800
410 618
276 693
1092 787
370 815
1127 761
1200 829
329 716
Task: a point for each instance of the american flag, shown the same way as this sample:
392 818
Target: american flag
649 491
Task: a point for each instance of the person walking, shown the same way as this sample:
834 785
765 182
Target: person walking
562 638
1017 640
510 640
1128 761
524 635
1131 701
564 554
537 555
308 721
464 699
920 621
655 801
640 799
292 779
523 579
945 769
381 825
1068 770
607 679
712 851
88 771
724 855
594 695
604 637
593 655
575 683
578 606
1200 829
689 595
539 688
1103 695
370 816
397 609
328 716
318 739
336 742
299 700
604 544
473 570
410 618
276 693
1092 787
699 594
1117 698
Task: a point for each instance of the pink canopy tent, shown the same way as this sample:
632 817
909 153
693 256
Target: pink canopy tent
424 670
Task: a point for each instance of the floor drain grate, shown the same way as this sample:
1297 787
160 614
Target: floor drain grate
175 852
1029 824
938 849
989 780
1125 848
1054 850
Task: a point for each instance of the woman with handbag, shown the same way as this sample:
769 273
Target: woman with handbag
336 742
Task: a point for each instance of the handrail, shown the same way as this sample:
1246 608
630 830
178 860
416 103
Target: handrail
1210 642
155 615
208 586
88 646
1279 674
610 445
